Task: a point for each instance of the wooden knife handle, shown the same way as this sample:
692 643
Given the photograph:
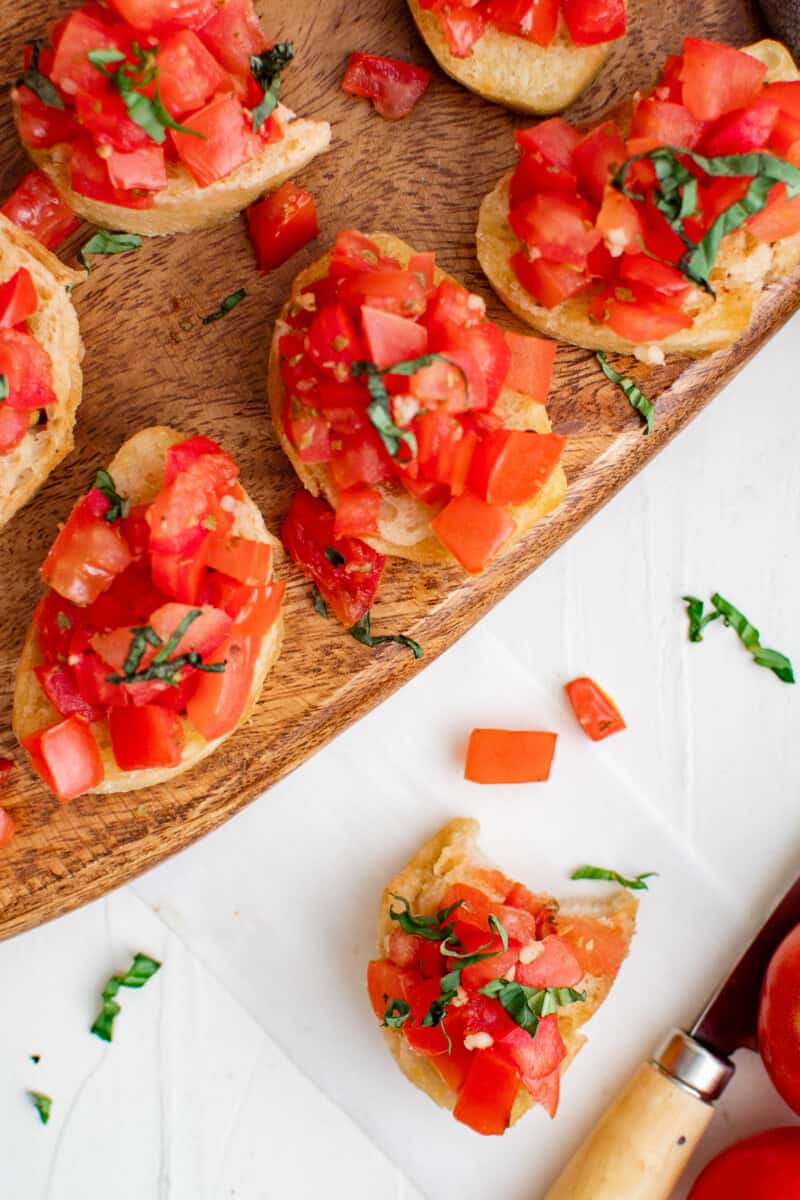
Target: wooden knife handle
642 1144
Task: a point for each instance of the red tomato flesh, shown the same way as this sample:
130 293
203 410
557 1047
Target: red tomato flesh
220 698
472 530
67 757
763 1167
227 141
597 714
393 87
718 79
556 966
246 560
779 1019
531 367
281 224
145 736
18 298
509 756
487 1095
512 466
86 557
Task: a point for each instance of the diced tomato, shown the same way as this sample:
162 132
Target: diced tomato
718 79
597 713
384 983
535 20
664 123
599 947
453 1066
145 169
221 697
38 207
452 383
488 1093
233 34
482 1015
182 455
424 1039
596 157
641 317
227 141
67 757
548 283
202 636
556 966
781 217
40 125
106 118
89 175
395 291
744 130
445 451
254 609
353 252
511 466
393 87
559 226
475 908
18 298
281 224
620 224
423 265
545 1091
593 21
188 74
554 139
539 907
360 458
14 424
534 174
348 588
86 556
27 369
509 756
538 1056
531 367
785 138
462 27
150 15
145 736
7 826
357 511
58 683
472 530
181 575
246 560
390 338
480 973
79 33
655 276
333 342
179 515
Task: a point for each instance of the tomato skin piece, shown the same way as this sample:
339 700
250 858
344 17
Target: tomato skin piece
143 169
779 1019
487 1094
640 318
763 1167
538 1056
67 757
79 33
744 130
718 79
384 983
18 298
106 118
144 736
509 756
227 143
254 610
89 176
664 123
545 1091
531 368
556 966
472 530
462 27
7 827
220 698
281 224
596 712
85 558
592 21
394 87
534 20
511 466
559 226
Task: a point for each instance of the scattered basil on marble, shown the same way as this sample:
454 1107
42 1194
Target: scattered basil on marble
141 969
637 884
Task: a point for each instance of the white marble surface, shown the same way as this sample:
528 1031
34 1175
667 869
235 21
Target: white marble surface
249 1068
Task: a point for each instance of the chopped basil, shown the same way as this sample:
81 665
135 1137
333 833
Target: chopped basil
634 394
378 409
748 635
469 960
266 70
42 1104
396 1015
675 196
637 884
227 304
3 388
120 505
433 929
162 667
361 632
104 242
448 989
141 969
38 83
525 1005
319 604
147 112
334 557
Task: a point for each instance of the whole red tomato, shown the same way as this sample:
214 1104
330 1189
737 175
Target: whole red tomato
779 1019
764 1167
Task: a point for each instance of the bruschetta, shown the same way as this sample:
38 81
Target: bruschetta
159 625
411 413
656 231
157 117
536 56
40 365
482 986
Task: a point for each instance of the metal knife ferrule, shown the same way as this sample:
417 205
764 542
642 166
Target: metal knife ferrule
693 1067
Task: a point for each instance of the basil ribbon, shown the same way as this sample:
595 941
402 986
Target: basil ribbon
141 969
747 633
637 884
266 70
631 391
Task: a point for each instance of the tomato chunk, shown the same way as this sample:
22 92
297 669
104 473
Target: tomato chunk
531 367
38 207
597 713
384 983
145 736
472 530
593 21
281 224
233 34
718 79
227 141
487 1095
391 338
598 945
86 556
556 966
540 1055
548 283
545 1091
188 74
511 466
40 125
357 511
67 757
18 298
246 560
509 756
220 698
27 369
393 87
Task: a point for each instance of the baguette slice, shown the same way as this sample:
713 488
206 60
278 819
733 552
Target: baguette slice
514 72
183 205
744 267
138 472
55 326
404 521
453 856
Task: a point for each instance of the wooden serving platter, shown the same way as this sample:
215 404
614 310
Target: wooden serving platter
149 360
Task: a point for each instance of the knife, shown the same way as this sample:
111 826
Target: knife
643 1142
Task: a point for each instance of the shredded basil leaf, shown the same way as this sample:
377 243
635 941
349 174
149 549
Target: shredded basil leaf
319 604
120 505
433 929
38 83
162 667
448 990
227 304
629 389
3 388
636 884
396 1015
378 410
525 1005
361 632
266 70
147 112
104 242
42 1104
748 635
141 969
334 557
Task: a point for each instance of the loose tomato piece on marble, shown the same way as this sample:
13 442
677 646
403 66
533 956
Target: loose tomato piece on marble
597 713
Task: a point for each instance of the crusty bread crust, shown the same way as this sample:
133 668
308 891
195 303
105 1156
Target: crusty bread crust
55 327
183 206
743 269
138 472
453 856
515 72
404 521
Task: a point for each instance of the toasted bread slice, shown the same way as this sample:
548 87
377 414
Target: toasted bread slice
183 205
743 268
138 473
453 856
55 326
515 72
404 521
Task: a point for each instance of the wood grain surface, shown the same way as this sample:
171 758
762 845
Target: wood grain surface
150 360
